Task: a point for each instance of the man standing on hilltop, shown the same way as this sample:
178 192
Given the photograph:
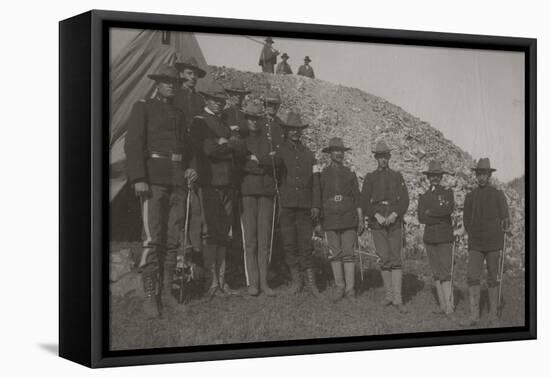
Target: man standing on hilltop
486 220
385 200
306 69
283 68
268 56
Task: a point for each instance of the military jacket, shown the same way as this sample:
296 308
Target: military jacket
258 179
189 102
384 191
217 164
435 207
339 197
485 209
157 146
298 187
267 56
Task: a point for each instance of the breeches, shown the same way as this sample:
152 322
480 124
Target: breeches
387 242
341 244
296 229
440 259
475 266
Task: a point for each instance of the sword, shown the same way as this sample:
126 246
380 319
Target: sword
501 272
185 235
453 250
244 250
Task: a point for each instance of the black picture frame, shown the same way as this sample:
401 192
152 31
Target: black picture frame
84 191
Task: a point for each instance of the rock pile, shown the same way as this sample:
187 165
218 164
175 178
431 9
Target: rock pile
361 119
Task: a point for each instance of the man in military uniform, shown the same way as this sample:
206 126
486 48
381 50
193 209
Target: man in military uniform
257 191
435 207
283 68
232 114
385 200
306 69
158 153
342 217
221 151
272 103
192 104
486 220
268 56
187 99
300 202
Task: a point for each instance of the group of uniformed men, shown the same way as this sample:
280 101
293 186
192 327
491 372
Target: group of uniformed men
268 62
244 159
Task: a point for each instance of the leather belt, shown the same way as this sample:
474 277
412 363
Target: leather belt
380 203
167 156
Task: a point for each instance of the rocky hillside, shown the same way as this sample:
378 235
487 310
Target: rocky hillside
360 119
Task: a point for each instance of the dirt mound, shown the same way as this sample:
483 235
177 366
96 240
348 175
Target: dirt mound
361 119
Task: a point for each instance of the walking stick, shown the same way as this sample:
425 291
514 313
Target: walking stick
276 196
501 272
244 249
360 258
185 235
453 250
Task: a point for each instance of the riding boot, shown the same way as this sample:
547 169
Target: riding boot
224 287
297 282
474 304
397 279
493 305
447 290
339 283
388 293
151 306
263 278
168 279
440 298
312 284
349 273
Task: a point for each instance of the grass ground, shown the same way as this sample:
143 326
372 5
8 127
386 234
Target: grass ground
285 317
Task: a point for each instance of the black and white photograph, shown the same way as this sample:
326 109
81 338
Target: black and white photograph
266 188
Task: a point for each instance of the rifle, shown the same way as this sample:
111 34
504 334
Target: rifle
501 273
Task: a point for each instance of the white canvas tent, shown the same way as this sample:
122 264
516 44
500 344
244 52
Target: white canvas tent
130 65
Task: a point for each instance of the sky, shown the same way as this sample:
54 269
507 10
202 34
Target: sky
474 97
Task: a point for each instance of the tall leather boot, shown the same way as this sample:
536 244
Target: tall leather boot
297 283
339 283
397 279
151 306
493 305
168 279
440 298
474 304
224 287
262 262
349 273
448 297
388 292
312 284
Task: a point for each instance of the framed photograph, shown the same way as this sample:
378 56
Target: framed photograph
236 188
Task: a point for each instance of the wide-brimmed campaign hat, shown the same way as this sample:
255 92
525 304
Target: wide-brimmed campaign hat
165 73
191 63
335 144
285 55
237 86
306 59
381 148
435 168
215 91
294 121
269 40
272 97
483 164
253 109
